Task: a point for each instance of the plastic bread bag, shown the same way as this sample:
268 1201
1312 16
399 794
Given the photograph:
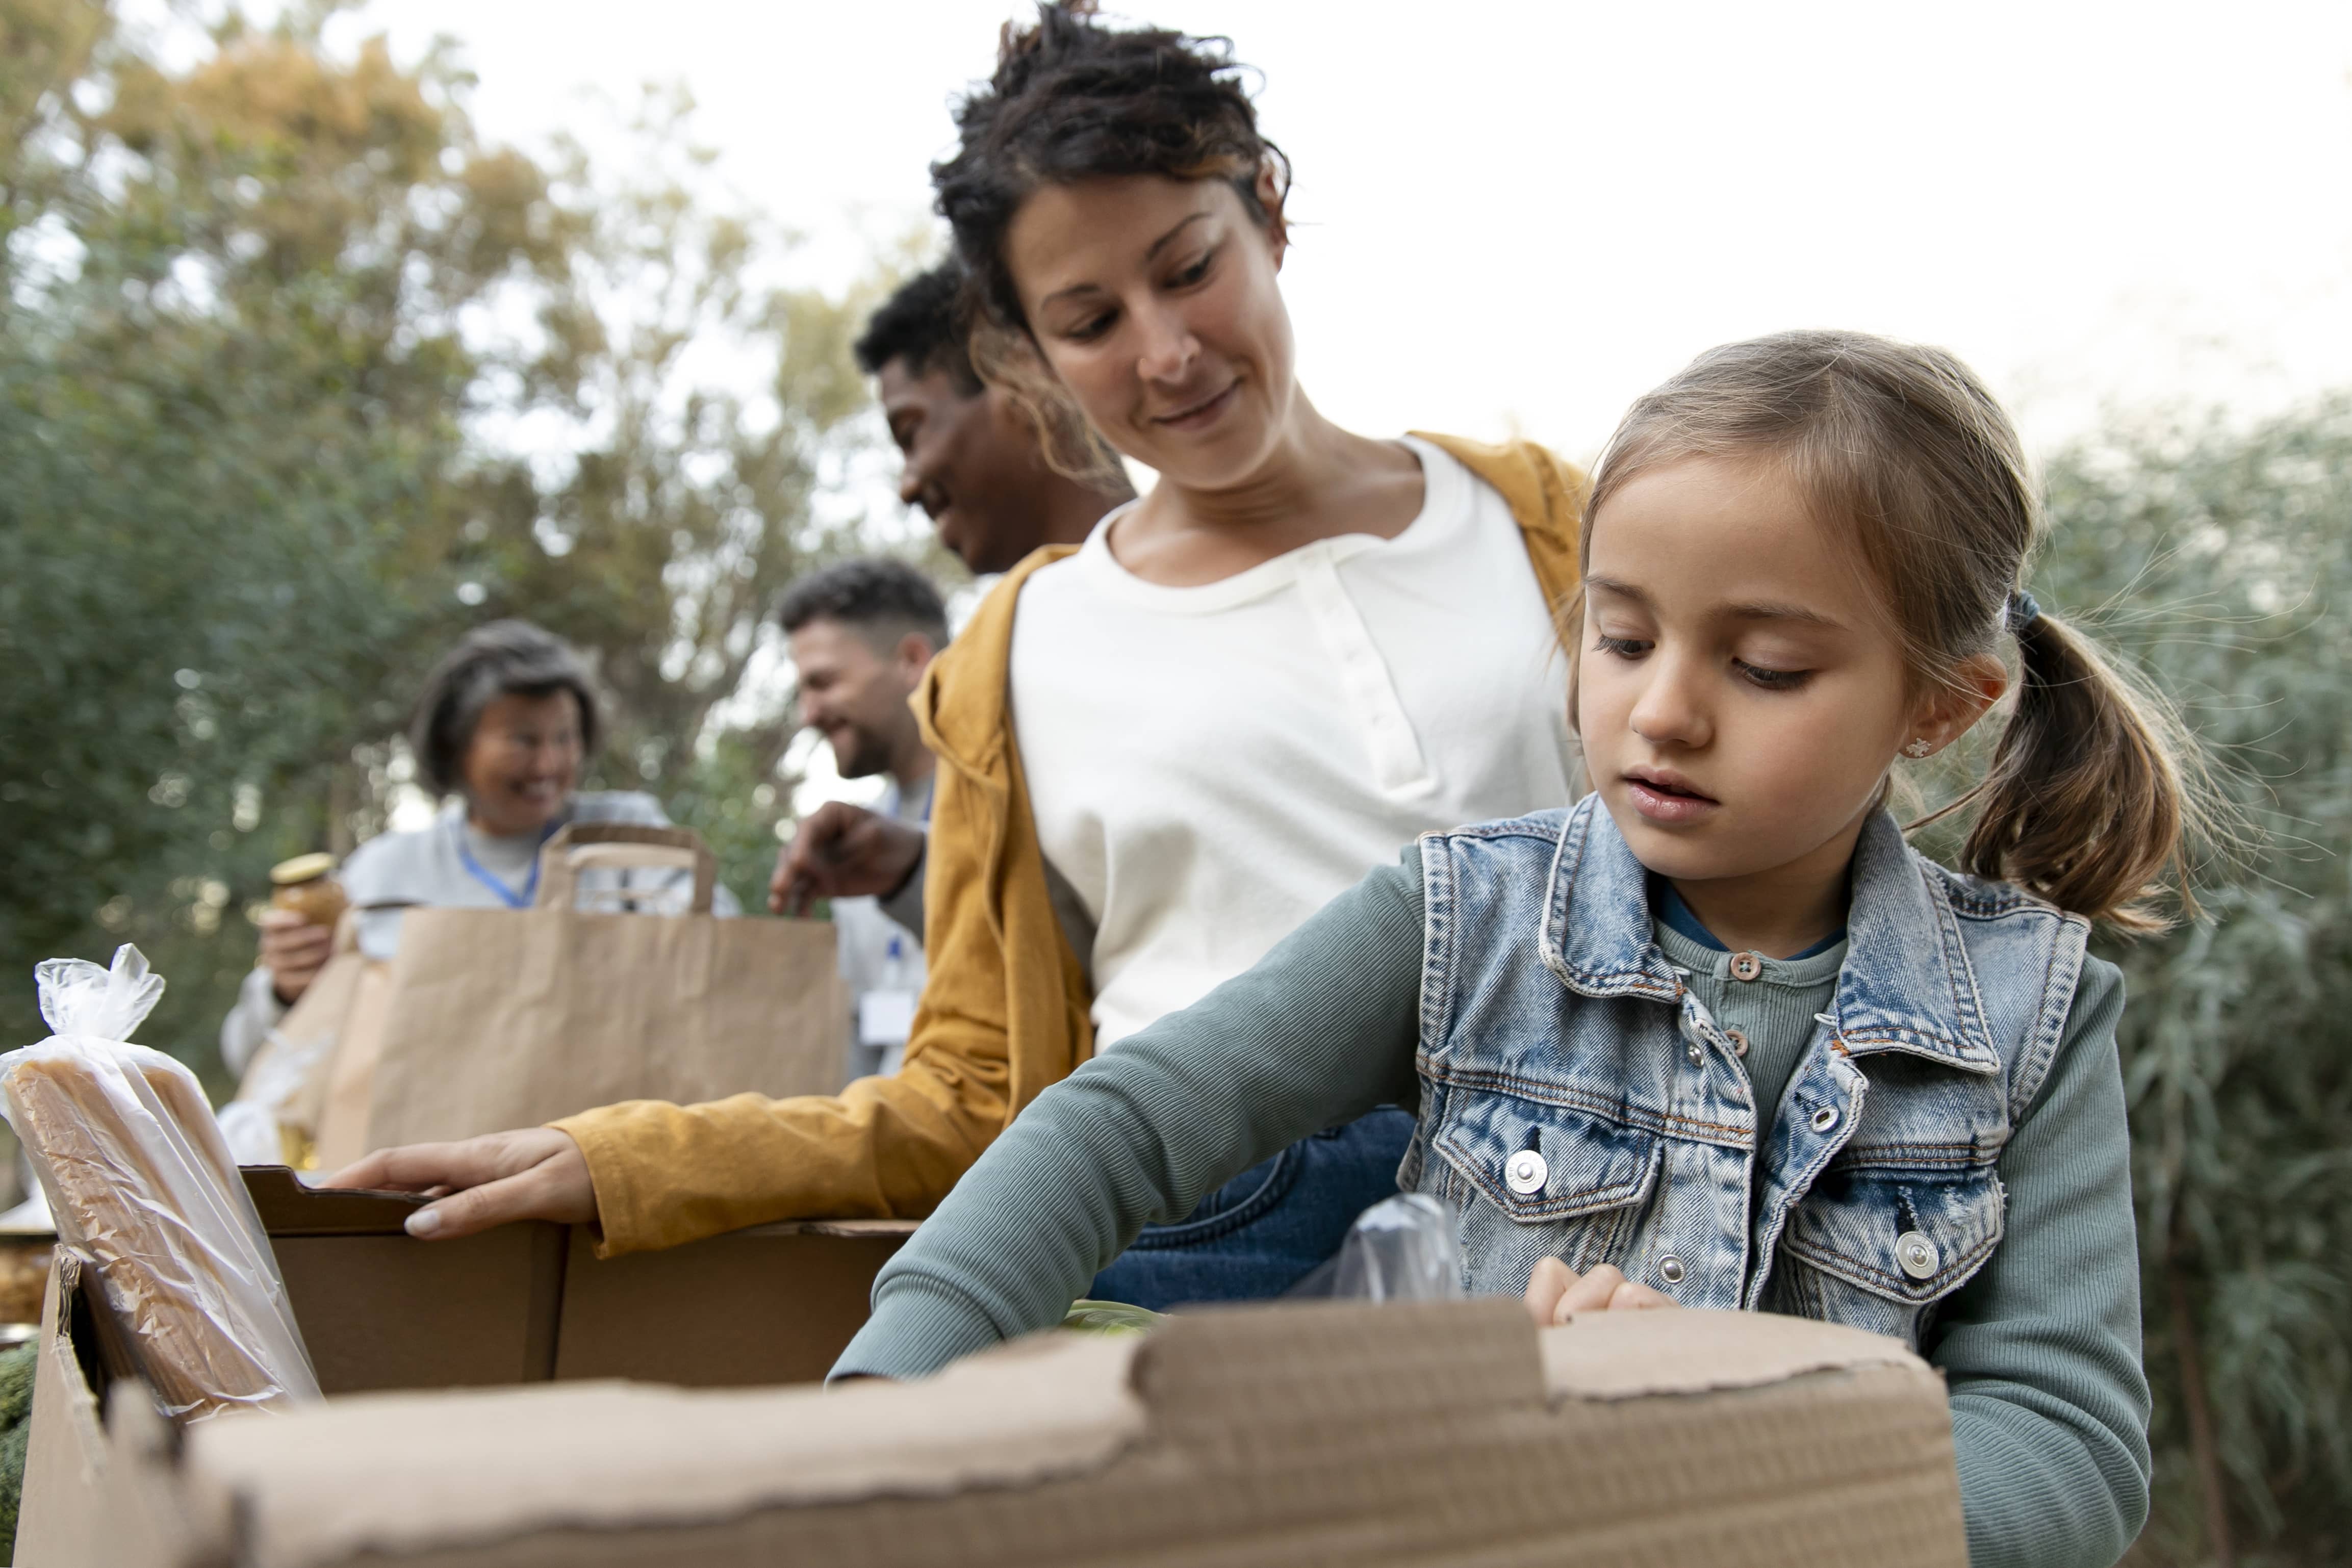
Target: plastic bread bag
141 1184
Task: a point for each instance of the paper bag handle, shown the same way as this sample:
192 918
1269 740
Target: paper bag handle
559 874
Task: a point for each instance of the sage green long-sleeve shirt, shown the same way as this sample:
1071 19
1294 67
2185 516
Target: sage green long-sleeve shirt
2041 1348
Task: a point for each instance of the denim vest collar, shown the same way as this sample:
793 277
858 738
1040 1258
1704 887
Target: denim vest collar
1907 985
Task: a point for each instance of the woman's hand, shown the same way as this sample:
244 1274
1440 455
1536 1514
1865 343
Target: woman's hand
293 950
537 1172
1556 1292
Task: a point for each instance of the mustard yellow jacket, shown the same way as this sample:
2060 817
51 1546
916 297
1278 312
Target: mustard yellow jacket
1005 1009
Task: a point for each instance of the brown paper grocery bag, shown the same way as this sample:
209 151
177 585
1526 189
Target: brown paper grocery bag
327 1038
496 1017
349 1081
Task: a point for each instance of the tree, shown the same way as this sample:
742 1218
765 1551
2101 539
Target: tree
2219 558
298 378
2227 557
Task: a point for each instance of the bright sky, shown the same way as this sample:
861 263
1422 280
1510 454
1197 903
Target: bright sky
1516 216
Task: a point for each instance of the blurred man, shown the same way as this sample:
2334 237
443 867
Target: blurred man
972 460
861 635
975 464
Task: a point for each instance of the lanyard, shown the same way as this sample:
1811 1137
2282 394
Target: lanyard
506 895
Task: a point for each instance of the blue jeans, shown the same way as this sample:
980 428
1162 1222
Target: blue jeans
1261 1232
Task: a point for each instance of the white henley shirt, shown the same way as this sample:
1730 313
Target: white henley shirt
1209 765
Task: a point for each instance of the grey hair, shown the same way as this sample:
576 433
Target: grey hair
501 659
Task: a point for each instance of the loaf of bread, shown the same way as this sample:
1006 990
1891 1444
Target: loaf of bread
140 1182
184 1101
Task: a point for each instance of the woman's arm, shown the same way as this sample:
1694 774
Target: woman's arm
657 1174
2042 1349
1320 1031
884 1148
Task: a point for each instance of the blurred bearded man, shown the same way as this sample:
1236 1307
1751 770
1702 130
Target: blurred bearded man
861 635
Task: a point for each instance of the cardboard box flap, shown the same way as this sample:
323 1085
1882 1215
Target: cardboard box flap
413 1473
1338 1361
410 1472
1398 1437
291 1208
1626 1355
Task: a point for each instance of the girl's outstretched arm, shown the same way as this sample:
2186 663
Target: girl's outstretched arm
2042 1349
1320 1031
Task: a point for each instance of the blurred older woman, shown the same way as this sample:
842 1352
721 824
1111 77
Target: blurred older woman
503 728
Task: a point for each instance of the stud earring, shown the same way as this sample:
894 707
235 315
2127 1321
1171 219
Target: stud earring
1916 749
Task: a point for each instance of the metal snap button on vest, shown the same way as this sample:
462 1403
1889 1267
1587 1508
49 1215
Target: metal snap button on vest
1746 966
1671 1269
1917 1255
1696 1054
1825 1118
1738 1038
1526 1173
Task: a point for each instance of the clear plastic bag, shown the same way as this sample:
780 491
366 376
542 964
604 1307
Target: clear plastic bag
1403 1249
141 1184
263 1124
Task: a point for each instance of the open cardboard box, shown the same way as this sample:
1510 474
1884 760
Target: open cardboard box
1446 1433
524 1303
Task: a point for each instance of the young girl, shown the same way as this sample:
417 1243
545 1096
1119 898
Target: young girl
1716 1036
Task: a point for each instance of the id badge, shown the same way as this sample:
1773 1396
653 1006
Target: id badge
884 1018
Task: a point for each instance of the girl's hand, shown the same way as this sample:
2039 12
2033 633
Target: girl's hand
1556 1292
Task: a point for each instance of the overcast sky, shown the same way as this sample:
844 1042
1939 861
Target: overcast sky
1516 216
1513 217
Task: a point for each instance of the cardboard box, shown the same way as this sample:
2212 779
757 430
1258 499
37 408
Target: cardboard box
1429 1434
380 1309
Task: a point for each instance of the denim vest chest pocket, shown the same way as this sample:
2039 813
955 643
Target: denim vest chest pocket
1584 1194
1878 1244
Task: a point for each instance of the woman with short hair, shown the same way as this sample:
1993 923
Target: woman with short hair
1161 752
504 724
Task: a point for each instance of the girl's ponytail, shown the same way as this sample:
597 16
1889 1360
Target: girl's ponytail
2091 788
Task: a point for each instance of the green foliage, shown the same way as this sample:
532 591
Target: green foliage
298 378
16 1366
2221 560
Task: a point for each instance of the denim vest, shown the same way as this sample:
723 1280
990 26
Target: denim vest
1579 1102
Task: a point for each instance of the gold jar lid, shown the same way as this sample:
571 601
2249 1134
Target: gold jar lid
301 868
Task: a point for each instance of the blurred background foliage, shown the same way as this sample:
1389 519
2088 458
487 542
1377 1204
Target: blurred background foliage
2221 558
2218 558
297 379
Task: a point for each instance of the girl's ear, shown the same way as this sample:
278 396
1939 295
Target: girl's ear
1950 711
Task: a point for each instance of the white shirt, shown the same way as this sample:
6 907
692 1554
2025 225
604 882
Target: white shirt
1209 765
881 958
